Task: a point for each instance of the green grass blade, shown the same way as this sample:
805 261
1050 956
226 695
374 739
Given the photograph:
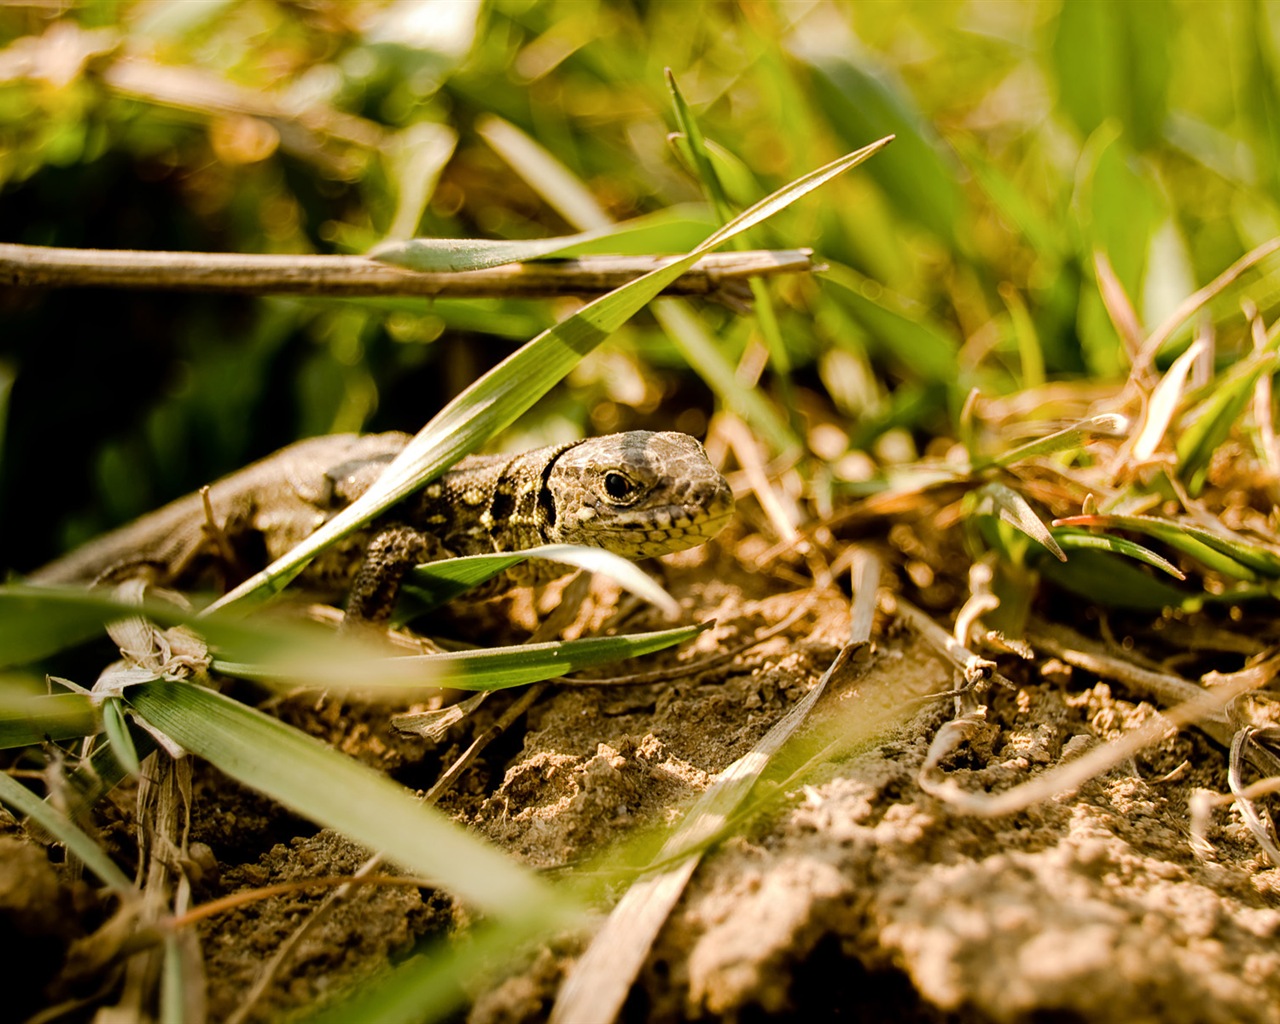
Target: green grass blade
739 185
547 175
93 780
494 669
1233 556
1263 559
174 983
917 345
27 718
766 317
859 101
1113 581
1080 540
36 621
696 148
1210 422
117 733
505 392
700 351
1030 353
22 800
1013 201
317 782
663 231
1068 439
1113 61
1008 506
433 985
439 582
685 329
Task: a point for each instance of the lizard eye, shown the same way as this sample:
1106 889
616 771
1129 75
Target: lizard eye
618 487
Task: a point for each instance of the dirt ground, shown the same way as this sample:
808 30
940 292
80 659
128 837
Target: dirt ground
853 895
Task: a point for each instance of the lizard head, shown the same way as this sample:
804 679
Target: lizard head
636 494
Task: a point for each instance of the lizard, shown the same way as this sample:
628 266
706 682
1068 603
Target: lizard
637 494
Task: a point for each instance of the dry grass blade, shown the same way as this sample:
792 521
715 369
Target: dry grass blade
21 799
781 510
1257 819
1163 687
1194 301
1203 708
597 985
1119 308
1164 402
1068 777
972 668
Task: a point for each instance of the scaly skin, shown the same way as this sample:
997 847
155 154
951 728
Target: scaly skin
636 494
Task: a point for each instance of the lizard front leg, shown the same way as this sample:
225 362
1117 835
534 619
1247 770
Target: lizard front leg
394 550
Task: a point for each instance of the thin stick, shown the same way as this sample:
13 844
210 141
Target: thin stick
1165 688
37 266
1069 776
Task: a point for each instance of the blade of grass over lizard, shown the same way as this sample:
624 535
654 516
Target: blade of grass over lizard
655 232
331 789
22 800
574 201
27 718
38 621
437 583
509 389
496 668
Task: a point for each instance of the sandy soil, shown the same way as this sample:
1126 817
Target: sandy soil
852 895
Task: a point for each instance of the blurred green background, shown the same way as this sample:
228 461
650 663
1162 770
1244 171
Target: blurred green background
1030 137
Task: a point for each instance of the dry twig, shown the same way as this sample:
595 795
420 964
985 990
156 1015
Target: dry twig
718 275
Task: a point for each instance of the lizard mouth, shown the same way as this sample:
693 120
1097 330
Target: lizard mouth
663 529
